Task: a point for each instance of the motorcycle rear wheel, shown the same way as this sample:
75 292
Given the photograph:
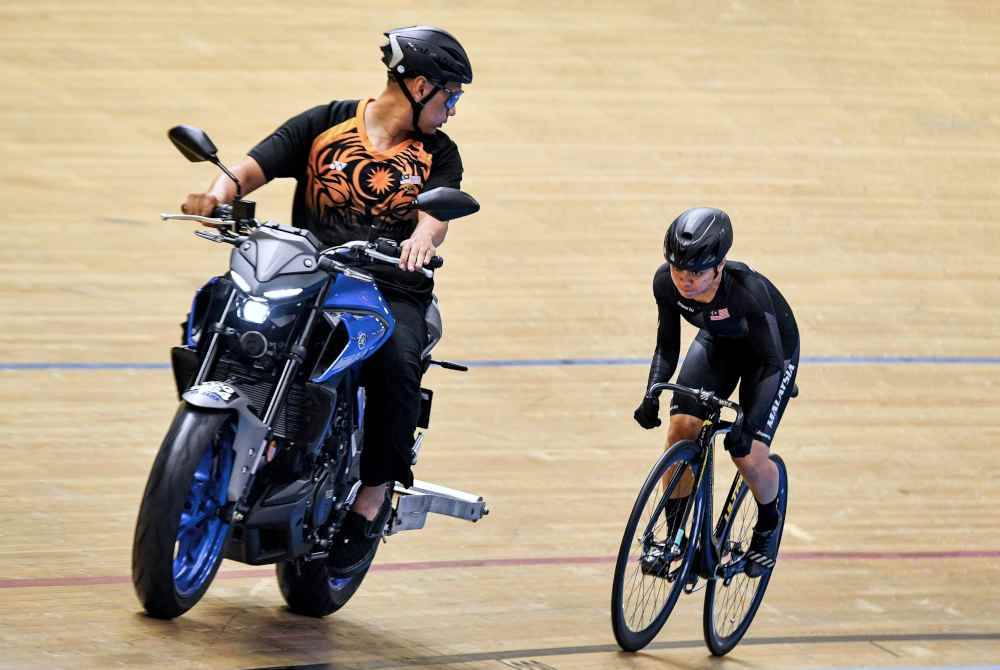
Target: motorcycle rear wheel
308 588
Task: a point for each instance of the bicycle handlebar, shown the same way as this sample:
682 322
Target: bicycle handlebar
704 397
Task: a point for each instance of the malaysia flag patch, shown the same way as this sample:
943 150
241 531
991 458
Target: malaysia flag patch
719 314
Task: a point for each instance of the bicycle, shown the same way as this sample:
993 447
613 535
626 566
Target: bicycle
668 548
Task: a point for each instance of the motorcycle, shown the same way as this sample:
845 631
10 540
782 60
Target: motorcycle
261 462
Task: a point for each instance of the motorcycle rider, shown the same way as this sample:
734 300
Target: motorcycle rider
359 164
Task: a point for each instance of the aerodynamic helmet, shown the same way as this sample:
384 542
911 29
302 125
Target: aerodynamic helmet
698 239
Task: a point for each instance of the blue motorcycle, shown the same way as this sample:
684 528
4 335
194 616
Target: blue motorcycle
261 462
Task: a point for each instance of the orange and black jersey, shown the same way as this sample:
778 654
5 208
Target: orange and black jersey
349 190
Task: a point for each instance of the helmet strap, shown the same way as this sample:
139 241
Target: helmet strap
417 107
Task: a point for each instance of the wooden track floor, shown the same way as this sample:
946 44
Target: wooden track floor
856 146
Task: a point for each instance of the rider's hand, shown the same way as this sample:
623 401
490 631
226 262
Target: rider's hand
647 414
416 252
200 204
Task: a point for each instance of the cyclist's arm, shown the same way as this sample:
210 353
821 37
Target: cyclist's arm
668 345
668 332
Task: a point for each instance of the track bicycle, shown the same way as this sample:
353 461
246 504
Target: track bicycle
670 542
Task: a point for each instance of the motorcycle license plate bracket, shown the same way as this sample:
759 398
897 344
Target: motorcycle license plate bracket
423 498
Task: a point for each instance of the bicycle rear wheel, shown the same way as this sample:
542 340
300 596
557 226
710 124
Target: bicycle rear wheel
730 608
655 555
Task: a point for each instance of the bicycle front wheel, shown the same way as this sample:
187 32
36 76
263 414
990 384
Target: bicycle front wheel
656 550
730 607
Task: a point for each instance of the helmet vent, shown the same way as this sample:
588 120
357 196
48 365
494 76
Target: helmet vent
453 53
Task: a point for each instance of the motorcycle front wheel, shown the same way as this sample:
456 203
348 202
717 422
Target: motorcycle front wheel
179 534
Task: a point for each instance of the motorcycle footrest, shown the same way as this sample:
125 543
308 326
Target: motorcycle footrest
423 498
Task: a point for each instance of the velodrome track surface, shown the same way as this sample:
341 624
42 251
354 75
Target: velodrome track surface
856 147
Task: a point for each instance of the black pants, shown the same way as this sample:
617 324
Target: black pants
392 386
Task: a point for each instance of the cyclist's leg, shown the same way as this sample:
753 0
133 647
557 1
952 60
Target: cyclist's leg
753 459
762 414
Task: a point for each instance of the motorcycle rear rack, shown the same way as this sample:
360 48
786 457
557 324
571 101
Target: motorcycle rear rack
416 502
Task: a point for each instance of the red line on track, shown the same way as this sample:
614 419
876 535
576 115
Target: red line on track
31 582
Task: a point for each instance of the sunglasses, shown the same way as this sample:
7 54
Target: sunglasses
453 96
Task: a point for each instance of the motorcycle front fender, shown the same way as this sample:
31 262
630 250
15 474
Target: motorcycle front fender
251 432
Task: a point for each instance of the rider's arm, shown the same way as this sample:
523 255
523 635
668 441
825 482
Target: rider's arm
283 153
429 234
668 331
446 170
668 344
223 189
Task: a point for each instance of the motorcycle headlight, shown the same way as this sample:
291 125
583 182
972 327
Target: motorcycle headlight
254 311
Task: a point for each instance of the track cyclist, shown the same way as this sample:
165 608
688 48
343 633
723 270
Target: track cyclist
359 164
747 334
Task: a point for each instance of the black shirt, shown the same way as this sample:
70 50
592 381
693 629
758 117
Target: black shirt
747 309
349 190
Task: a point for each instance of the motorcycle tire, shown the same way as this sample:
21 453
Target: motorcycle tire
179 537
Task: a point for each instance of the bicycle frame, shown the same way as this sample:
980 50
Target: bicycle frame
708 553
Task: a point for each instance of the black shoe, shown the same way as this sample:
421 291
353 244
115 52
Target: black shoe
656 560
355 542
763 550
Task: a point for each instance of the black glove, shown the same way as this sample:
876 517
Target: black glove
647 414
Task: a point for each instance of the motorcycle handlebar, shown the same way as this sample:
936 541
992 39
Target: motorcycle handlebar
384 251
223 212
391 249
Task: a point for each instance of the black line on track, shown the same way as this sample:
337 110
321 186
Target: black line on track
449 659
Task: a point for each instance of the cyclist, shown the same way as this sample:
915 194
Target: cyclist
747 334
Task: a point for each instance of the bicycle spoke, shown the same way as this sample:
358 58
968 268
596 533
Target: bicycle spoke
645 594
732 607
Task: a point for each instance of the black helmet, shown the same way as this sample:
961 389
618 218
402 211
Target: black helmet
426 50
698 239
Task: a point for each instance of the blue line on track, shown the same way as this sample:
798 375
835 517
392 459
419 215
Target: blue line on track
563 362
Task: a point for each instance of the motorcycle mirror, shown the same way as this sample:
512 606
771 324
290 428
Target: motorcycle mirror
193 143
446 203
197 146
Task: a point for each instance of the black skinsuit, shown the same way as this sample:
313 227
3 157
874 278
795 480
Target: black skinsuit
747 334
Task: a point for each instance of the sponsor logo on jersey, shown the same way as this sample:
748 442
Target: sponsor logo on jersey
336 166
719 314
413 179
684 307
